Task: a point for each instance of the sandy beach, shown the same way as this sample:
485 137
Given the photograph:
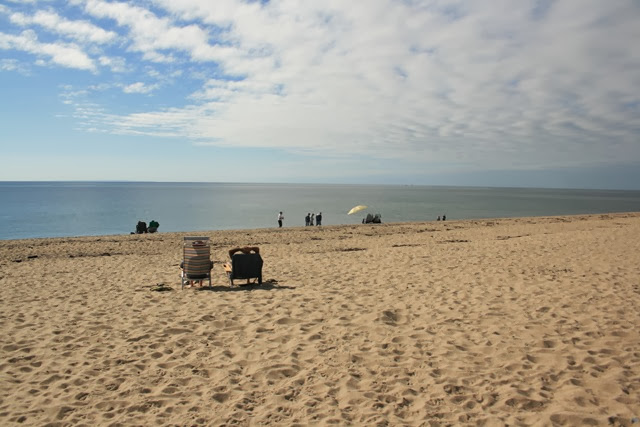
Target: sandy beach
521 321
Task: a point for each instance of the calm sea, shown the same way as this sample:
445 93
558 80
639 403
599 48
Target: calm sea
60 209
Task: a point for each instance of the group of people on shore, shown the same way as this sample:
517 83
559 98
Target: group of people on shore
142 228
372 219
311 218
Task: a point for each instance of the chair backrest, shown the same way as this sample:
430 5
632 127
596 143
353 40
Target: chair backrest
196 256
246 266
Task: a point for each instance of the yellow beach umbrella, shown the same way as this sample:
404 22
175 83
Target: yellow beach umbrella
357 209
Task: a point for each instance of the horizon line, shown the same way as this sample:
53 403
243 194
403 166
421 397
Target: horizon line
316 183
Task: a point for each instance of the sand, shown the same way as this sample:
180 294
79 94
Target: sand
488 322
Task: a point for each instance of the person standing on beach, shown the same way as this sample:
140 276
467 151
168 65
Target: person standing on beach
311 220
319 218
307 219
444 217
280 219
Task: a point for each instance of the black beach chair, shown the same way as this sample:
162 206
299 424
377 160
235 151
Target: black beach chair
246 263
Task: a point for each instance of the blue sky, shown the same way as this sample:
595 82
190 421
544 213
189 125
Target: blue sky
499 93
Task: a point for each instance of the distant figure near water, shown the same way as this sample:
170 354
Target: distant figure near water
280 219
371 219
141 227
153 226
307 219
444 217
319 218
438 218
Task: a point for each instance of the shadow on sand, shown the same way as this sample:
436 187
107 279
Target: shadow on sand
265 286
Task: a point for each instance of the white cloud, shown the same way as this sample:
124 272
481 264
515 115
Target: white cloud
469 84
13 65
116 64
139 87
82 31
66 55
151 35
489 83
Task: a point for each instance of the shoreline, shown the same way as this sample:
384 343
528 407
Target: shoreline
486 321
330 226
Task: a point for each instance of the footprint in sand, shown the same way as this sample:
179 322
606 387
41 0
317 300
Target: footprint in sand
392 317
287 321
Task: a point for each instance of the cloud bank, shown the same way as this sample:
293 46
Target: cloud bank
451 85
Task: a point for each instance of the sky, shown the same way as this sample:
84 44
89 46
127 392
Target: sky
527 93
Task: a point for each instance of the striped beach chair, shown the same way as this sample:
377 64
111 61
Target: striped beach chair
196 264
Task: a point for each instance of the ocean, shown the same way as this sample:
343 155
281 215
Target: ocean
64 209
